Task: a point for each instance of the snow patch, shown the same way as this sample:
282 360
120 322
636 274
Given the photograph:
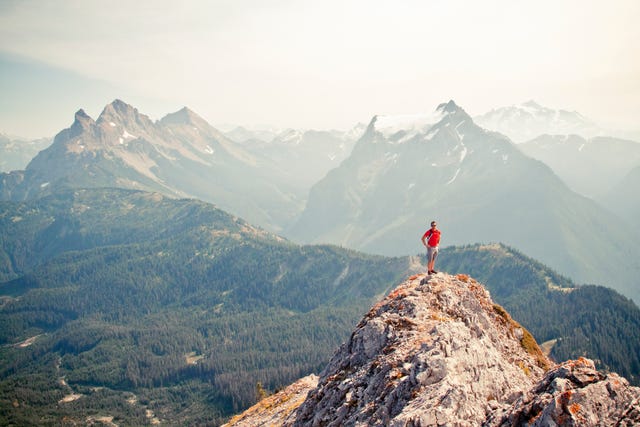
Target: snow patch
121 140
463 153
391 157
127 135
290 136
112 124
455 175
413 184
505 157
44 184
434 164
581 147
331 157
208 149
460 135
431 133
411 123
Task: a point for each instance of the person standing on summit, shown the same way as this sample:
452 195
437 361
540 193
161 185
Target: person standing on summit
431 240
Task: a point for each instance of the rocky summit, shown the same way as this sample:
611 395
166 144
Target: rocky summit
437 351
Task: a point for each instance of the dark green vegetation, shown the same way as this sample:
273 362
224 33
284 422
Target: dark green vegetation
590 321
137 302
174 302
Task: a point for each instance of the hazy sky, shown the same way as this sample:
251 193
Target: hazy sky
314 64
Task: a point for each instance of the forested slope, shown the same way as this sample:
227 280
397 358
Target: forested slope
175 301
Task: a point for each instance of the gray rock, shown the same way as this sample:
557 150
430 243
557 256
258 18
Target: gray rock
575 394
433 354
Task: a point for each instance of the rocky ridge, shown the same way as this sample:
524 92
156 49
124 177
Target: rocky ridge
437 351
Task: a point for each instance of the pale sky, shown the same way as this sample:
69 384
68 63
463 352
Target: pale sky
314 64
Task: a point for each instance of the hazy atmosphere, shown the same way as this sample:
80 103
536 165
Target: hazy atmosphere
307 64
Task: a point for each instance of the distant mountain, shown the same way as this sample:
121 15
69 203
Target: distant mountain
589 166
528 120
624 197
305 156
180 155
438 351
243 134
117 302
408 170
16 153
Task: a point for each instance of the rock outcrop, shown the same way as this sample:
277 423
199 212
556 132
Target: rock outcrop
575 394
272 410
437 351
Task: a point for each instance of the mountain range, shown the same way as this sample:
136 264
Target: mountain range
179 155
624 197
132 305
526 121
407 170
304 156
316 186
16 153
591 167
529 120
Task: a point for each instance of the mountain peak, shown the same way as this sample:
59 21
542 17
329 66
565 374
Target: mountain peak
82 122
118 108
523 122
82 117
410 124
184 116
449 107
119 112
438 351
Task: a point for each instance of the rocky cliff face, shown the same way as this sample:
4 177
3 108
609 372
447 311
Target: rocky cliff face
437 351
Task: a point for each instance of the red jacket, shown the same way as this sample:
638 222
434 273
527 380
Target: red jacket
433 236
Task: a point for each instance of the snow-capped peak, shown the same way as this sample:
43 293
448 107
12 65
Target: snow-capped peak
528 120
412 124
389 125
290 136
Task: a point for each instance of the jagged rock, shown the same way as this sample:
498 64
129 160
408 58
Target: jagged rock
438 352
576 394
271 410
429 354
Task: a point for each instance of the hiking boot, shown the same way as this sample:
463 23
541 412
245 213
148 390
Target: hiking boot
434 272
